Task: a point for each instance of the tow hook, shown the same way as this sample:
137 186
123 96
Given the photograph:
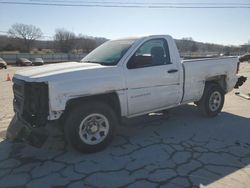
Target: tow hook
240 82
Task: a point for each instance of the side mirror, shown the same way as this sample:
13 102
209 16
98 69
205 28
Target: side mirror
131 63
139 61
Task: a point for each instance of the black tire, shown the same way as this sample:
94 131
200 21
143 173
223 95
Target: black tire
77 115
209 106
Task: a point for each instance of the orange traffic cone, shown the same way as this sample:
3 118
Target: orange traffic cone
8 78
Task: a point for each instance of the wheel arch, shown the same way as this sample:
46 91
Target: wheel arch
111 99
219 80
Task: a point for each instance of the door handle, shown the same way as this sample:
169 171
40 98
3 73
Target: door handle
172 71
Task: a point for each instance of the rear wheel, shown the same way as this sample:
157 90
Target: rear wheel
90 127
212 100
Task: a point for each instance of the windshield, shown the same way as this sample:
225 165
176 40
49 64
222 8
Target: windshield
108 53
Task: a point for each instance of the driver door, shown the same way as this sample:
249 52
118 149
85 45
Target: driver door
152 80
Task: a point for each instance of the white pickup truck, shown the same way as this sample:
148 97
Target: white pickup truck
121 78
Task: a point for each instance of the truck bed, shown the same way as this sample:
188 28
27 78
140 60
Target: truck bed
197 71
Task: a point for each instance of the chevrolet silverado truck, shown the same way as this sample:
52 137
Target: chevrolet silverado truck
122 78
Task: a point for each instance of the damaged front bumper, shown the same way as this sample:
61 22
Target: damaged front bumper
31 111
19 130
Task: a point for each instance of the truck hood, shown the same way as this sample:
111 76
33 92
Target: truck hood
71 80
56 71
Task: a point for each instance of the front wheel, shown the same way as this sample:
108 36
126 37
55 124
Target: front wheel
212 100
90 126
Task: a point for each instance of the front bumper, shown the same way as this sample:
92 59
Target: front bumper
31 110
20 130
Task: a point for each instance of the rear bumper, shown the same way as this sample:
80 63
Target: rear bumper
240 82
20 130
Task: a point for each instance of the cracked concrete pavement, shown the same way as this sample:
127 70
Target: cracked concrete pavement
177 148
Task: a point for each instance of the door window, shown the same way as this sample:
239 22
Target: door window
154 52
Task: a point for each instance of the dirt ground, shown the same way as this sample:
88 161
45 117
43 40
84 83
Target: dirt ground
6 97
180 149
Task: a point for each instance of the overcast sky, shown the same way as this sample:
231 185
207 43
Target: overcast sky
221 26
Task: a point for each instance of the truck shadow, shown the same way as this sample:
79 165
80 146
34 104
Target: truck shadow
178 148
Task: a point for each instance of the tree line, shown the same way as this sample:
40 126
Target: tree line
24 38
188 45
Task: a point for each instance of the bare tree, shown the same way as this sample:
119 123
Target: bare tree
87 44
27 33
64 40
90 44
